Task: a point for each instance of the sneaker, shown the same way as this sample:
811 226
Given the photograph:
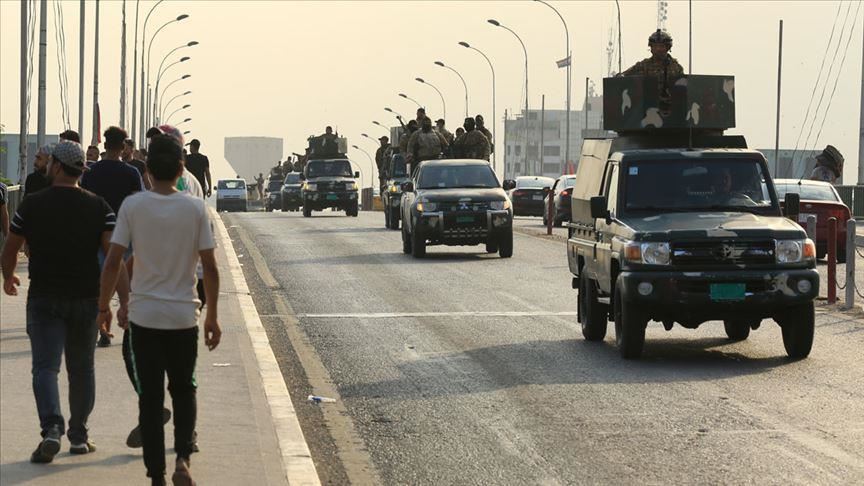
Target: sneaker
135 441
48 448
195 441
83 448
104 341
182 476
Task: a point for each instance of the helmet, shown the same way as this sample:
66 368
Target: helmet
660 37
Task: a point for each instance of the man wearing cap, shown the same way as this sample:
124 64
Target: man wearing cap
439 127
829 165
380 160
473 145
480 126
199 165
64 227
37 180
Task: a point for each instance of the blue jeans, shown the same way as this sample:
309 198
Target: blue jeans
55 325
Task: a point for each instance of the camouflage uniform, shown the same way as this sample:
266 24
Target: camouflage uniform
649 67
475 145
426 145
485 131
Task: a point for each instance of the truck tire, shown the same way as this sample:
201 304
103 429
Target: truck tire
394 218
307 213
406 241
629 327
798 325
418 245
737 329
593 315
505 245
491 247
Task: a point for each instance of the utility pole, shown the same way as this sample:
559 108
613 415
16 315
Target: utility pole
134 134
542 120
43 47
123 69
690 38
861 127
81 74
96 122
22 136
779 80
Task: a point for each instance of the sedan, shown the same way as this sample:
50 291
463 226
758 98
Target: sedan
819 199
528 195
560 195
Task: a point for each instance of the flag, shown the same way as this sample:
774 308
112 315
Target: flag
563 62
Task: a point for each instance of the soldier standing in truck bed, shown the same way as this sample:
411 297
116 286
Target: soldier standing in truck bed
473 144
661 64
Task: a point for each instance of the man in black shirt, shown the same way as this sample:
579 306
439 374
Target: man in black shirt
128 156
37 181
64 227
199 165
111 178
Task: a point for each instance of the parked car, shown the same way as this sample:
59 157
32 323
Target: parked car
819 199
527 197
231 195
292 186
456 202
273 194
560 195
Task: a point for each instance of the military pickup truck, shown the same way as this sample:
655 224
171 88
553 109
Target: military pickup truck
391 196
672 221
329 183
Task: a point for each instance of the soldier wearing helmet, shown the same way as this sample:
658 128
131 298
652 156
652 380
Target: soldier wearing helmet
660 65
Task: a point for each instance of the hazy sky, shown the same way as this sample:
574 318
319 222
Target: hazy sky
287 69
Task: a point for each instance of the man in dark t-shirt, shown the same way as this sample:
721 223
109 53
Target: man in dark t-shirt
128 156
111 178
199 165
64 226
36 180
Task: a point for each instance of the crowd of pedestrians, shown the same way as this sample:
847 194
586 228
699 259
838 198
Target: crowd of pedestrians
129 224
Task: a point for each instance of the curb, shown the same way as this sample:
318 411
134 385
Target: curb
296 458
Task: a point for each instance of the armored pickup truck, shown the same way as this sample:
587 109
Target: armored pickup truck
391 195
329 183
672 221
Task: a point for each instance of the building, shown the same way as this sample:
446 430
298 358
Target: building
551 163
250 156
9 154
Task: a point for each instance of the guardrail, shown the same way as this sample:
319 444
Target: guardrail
853 196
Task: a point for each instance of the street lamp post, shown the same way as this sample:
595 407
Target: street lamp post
147 76
525 52
382 126
187 120
161 64
141 129
403 95
398 115
165 90
569 59
464 84
156 99
165 108
360 168
494 120
168 118
443 103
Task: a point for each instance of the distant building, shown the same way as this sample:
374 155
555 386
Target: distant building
805 161
250 156
551 163
9 154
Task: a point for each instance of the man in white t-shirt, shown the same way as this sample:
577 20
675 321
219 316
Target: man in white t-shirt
171 231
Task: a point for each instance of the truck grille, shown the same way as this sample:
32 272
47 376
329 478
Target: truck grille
723 252
456 206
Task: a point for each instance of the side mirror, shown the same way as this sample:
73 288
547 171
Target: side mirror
357 175
793 205
508 184
408 186
598 208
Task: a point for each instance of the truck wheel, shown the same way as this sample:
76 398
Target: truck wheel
737 329
629 327
798 324
593 315
394 219
418 245
387 219
491 247
505 245
307 212
406 241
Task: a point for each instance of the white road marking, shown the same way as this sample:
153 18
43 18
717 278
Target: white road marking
400 315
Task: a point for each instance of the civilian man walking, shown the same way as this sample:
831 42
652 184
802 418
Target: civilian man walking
199 165
64 227
171 231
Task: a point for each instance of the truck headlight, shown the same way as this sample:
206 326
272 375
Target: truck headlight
310 187
500 205
351 186
394 188
426 207
795 251
655 253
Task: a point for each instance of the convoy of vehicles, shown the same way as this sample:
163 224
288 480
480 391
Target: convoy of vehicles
330 183
456 202
231 195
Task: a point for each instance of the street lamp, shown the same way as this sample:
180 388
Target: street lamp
569 60
187 132
140 131
398 115
494 120
525 116
157 97
172 51
403 95
163 110
443 104
370 161
184 121
464 84
165 90
168 118
380 125
146 103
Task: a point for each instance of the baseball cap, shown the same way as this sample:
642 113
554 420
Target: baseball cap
384 137
173 132
70 154
440 120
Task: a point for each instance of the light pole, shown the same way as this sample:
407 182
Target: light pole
370 161
165 90
525 52
382 126
443 104
187 120
569 61
168 118
464 84
403 95
172 51
165 108
156 98
398 115
145 103
494 120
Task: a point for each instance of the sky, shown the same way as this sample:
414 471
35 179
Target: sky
289 68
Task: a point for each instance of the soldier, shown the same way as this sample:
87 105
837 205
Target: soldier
473 145
439 127
421 114
381 159
425 144
407 131
829 165
480 126
661 65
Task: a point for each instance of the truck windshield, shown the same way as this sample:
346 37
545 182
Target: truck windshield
451 176
710 184
333 168
232 185
398 167
292 178
534 182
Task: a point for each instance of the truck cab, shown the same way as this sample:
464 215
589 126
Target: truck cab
685 226
329 183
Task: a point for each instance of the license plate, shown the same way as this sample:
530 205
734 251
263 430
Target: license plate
802 218
538 198
332 197
464 219
727 292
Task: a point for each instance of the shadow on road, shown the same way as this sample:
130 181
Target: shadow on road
23 472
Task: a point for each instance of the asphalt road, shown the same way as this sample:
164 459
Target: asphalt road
467 368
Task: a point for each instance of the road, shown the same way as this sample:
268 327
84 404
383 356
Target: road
467 368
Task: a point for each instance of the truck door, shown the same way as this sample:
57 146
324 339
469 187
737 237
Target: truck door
605 232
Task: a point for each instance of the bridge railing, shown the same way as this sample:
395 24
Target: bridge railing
853 196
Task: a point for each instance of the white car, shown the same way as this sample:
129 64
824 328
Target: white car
231 195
